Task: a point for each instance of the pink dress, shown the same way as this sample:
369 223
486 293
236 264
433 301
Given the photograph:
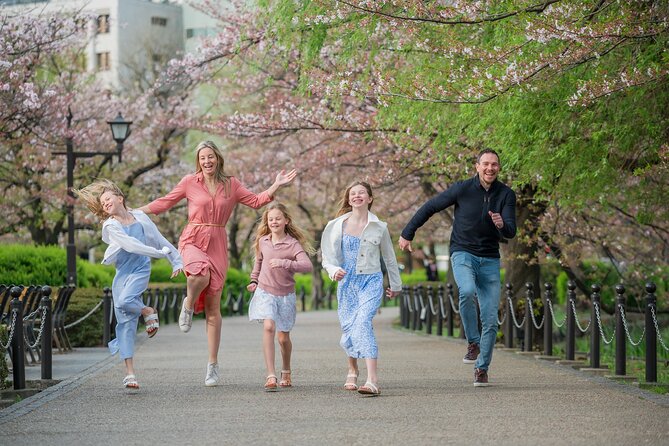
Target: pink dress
203 244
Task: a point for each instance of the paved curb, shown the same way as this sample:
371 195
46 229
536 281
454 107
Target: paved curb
50 393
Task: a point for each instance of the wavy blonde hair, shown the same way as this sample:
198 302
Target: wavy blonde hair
291 229
219 175
91 194
345 206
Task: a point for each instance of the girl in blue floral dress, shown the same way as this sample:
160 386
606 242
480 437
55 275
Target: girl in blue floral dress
352 247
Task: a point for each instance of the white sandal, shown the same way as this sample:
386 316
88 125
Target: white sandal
130 382
152 324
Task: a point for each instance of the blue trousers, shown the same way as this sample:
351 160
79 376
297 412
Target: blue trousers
478 276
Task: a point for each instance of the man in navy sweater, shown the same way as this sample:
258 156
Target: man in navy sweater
485 213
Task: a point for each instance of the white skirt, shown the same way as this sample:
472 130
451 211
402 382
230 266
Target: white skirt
280 309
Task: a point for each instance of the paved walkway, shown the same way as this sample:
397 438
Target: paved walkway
428 397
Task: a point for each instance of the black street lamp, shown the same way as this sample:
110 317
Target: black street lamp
120 131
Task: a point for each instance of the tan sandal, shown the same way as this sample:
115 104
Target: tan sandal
285 382
369 389
271 383
353 384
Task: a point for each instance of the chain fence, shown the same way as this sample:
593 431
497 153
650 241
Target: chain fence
86 316
424 300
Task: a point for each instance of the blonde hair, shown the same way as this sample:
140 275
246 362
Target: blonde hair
291 229
91 194
219 175
344 205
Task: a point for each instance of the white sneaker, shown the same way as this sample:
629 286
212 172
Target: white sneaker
185 318
212 375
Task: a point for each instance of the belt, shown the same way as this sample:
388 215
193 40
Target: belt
216 225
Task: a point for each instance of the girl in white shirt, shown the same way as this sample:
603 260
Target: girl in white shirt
132 239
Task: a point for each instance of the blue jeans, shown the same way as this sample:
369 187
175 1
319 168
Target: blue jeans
480 276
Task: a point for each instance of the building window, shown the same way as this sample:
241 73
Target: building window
159 21
103 24
103 61
199 32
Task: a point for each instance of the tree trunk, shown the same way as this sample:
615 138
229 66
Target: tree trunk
520 257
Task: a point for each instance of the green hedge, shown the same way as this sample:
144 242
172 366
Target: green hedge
161 270
47 265
87 333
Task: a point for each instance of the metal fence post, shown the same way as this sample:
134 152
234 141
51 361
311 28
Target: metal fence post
651 334
428 312
401 304
548 320
107 307
240 302
407 302
621 345
18 353
177 296
508 325
570 342
449 312
165 306
414 313
529 332
47 332
440 314
419 307
594 333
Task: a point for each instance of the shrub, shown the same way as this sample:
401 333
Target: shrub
25 264
419 275
47 265
87 333
161 270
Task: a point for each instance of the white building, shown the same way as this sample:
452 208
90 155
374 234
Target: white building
129 40
196 25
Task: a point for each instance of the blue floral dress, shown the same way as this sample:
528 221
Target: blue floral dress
132 278
358 297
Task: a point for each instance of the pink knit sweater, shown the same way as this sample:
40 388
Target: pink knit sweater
279 281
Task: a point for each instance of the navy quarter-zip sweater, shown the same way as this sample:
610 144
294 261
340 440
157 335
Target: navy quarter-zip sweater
473 229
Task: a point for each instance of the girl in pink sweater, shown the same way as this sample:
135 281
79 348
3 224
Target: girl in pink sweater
281 251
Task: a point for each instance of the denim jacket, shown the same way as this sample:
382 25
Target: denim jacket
374 242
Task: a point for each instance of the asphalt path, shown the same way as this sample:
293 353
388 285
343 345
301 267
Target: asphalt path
427 397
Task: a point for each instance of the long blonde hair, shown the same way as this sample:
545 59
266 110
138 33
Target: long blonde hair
91 194
219 175
345 206
291 229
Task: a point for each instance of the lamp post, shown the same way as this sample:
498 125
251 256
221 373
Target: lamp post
120 131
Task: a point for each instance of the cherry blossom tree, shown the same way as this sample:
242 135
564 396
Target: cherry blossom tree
540 82
43 74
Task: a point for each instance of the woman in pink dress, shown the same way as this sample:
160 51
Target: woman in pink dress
203 244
